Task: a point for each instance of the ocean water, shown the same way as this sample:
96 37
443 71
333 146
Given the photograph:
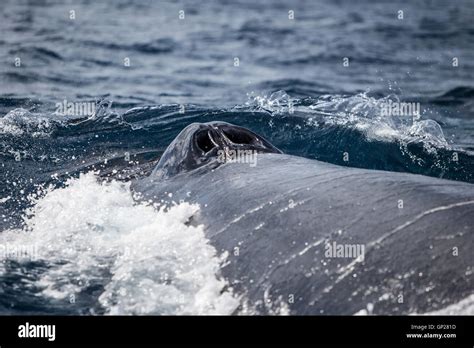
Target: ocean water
313 77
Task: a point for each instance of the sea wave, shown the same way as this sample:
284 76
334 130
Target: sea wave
322 127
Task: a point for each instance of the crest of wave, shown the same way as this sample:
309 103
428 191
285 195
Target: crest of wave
152 261
22 122
359 111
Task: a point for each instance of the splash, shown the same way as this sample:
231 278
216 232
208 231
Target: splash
369 115
21 121
148 260
277 103
362 112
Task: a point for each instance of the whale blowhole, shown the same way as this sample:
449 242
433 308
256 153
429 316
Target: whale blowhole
198 145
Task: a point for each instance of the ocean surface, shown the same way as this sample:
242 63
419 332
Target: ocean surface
313 77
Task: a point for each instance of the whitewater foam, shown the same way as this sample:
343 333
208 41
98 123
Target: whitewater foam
151 260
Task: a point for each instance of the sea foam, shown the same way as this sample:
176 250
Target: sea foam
148 258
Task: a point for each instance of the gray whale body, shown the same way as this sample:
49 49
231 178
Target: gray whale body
317 238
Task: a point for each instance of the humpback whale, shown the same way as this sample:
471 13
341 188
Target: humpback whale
307 237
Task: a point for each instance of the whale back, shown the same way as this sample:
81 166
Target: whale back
280 223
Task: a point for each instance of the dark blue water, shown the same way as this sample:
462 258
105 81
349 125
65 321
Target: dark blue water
153 67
